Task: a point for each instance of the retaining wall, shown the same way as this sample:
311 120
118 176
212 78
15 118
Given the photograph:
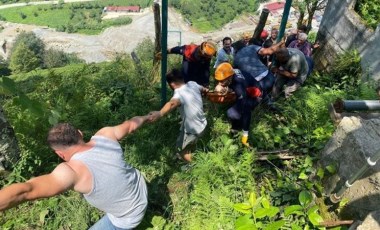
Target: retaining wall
342 29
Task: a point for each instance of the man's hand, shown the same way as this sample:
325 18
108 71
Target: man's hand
154 116
158 56
274 69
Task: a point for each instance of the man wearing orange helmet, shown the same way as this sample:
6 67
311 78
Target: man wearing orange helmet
196 61
248 96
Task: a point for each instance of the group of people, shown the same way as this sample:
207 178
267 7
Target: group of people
97 168
259 71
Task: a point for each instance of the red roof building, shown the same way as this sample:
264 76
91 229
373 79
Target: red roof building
275 7
122 9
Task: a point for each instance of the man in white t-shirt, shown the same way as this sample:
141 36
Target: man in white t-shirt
188 97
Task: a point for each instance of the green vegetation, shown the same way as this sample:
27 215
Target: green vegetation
142 3
369 10
72 18
28 53
211 15
226 187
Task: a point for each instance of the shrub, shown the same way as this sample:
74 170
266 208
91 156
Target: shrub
369 10
22 15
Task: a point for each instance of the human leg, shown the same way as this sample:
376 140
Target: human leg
278 85
310 64
184 144
290 87
267 82
234 116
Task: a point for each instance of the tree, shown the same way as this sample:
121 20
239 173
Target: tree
309 6
23 59
54 58
32 42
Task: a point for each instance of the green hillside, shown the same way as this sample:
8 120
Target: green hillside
226 187
212 15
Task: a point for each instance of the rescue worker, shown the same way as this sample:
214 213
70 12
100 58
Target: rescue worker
196 61
248 96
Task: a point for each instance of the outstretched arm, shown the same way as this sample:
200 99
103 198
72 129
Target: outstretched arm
271 50
61 179
118 132
169 106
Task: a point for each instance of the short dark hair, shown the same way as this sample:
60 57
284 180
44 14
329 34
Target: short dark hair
282 53
303 28
226 39
174 75
63 135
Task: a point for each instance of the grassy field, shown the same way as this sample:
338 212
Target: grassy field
63 17
45 17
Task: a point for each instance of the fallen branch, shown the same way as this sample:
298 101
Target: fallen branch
281 156
334 223
273 152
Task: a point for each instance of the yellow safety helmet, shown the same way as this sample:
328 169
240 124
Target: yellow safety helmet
224 71
208 49
247 35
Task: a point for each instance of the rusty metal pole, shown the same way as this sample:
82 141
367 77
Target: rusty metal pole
157 29
260 26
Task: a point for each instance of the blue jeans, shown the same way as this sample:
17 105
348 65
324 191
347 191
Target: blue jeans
105 224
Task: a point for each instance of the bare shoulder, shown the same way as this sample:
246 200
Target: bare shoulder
64 170
108 132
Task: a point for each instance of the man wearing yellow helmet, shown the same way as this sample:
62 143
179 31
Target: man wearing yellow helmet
196 61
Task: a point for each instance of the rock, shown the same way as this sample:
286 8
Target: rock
370 222
353 142
9 150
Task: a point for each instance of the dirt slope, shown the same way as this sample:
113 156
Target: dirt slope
104 47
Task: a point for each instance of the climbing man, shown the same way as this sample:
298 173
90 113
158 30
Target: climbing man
187 97
95 169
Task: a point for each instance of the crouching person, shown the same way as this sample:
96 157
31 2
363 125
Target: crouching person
188 98
248 96
291 70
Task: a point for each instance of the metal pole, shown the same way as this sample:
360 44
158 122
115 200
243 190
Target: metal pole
356 105
371 161
164 52
284 19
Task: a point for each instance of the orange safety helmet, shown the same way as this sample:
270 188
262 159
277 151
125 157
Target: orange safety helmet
208 49
224 71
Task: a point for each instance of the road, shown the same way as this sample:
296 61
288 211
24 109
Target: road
116 40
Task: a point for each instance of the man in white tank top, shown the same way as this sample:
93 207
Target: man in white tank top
96 169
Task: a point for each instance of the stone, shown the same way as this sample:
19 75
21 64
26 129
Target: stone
370 222
9 150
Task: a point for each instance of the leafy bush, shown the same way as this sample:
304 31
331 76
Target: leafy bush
56 58
369 10
23 59
32 58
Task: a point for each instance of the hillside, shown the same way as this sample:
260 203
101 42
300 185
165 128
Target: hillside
114 40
